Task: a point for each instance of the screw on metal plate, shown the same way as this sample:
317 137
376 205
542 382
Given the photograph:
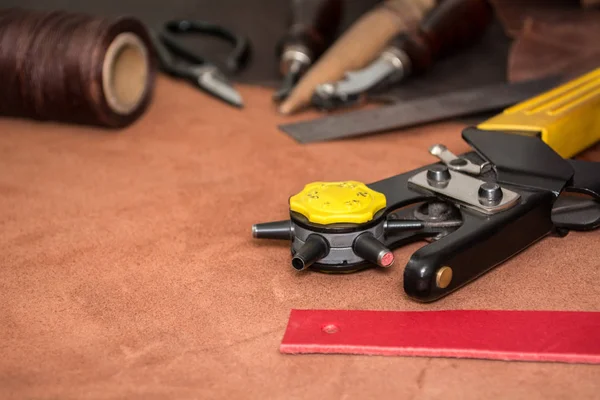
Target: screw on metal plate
438 176
456 163
490 194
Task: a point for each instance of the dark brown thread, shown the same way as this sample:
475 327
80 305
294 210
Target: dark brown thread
51 67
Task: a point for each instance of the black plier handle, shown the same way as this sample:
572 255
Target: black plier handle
176 60
236 59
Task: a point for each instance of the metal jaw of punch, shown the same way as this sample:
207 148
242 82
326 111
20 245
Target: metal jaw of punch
475 210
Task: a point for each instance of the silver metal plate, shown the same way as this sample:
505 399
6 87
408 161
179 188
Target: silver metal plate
464 190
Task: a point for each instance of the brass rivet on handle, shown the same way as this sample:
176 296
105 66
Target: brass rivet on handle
443 277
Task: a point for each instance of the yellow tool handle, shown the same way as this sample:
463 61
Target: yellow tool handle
567 118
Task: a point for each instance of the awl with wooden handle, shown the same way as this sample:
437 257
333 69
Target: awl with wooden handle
365 39
313 27
449 27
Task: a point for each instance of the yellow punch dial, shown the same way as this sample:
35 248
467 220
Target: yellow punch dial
337 202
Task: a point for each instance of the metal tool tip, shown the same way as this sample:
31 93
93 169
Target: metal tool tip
299 264
436 149
215 83
254 231
233 97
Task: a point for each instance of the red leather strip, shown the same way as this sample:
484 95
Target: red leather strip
504 335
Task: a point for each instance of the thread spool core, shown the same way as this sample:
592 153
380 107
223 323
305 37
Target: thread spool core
125 73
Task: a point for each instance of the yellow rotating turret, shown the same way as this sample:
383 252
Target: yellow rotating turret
337 202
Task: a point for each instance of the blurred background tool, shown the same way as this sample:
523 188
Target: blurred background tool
448 28
74 68
358 46
313 27
418 111
180 62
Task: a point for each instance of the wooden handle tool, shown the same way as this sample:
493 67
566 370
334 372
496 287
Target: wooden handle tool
314 25
448 28
358 46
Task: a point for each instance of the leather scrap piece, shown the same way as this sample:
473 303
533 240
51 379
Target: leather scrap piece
547 47
590 3
559 336
513 14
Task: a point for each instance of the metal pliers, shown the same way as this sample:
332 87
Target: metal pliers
178 61
476 210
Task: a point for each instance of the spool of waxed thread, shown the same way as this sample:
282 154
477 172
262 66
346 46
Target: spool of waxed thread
74 68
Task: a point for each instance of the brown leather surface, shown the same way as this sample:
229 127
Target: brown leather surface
129 271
